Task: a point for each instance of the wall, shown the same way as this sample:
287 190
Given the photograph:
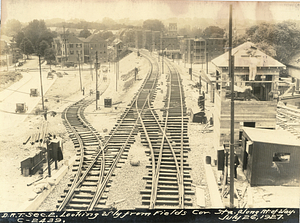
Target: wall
263 113
267 172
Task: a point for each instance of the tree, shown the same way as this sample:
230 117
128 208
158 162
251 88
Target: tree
153 24
129 37
33 31
42 47
36 32
213 32
46 35
12 27
84 33
49 56
18 38
196 32
26 47
108 21
281 40
107 34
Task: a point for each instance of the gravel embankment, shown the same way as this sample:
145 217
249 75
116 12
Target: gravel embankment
59 97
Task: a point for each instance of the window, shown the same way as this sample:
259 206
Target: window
281 157
71 52
71 45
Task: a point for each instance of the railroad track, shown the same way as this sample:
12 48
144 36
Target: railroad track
168 180
289 119
95 169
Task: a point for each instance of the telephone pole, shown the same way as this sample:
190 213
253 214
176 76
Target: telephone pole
117 70
65 40
79 72
41 82
97 93
231 74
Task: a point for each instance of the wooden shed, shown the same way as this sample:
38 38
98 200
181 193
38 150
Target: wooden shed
270 157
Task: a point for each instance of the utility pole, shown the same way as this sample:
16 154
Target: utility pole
206 63
65 40
79 72
202 60
97 93
162 61
231 73
117 69
191 68
41 83
6 61
91 68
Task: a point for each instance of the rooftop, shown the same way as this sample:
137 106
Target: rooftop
279 136
245 55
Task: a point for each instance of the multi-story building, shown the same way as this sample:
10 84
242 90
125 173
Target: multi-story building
196 50
193 50
215 47
138 39
70 48
172 31
156 37
92 44
147 40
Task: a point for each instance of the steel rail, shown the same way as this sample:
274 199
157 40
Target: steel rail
155 175
180 174
104 179
181 187
100 189
77 178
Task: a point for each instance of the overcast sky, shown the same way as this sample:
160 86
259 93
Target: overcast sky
93 10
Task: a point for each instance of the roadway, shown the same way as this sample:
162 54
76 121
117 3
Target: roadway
19 92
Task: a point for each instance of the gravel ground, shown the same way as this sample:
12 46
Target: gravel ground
58 97
201 144
108 117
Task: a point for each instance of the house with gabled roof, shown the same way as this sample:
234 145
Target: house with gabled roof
256 78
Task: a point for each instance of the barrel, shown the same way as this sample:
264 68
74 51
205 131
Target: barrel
208 160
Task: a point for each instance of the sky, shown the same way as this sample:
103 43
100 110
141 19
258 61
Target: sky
96 10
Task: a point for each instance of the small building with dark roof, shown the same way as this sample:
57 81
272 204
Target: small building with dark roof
270 157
